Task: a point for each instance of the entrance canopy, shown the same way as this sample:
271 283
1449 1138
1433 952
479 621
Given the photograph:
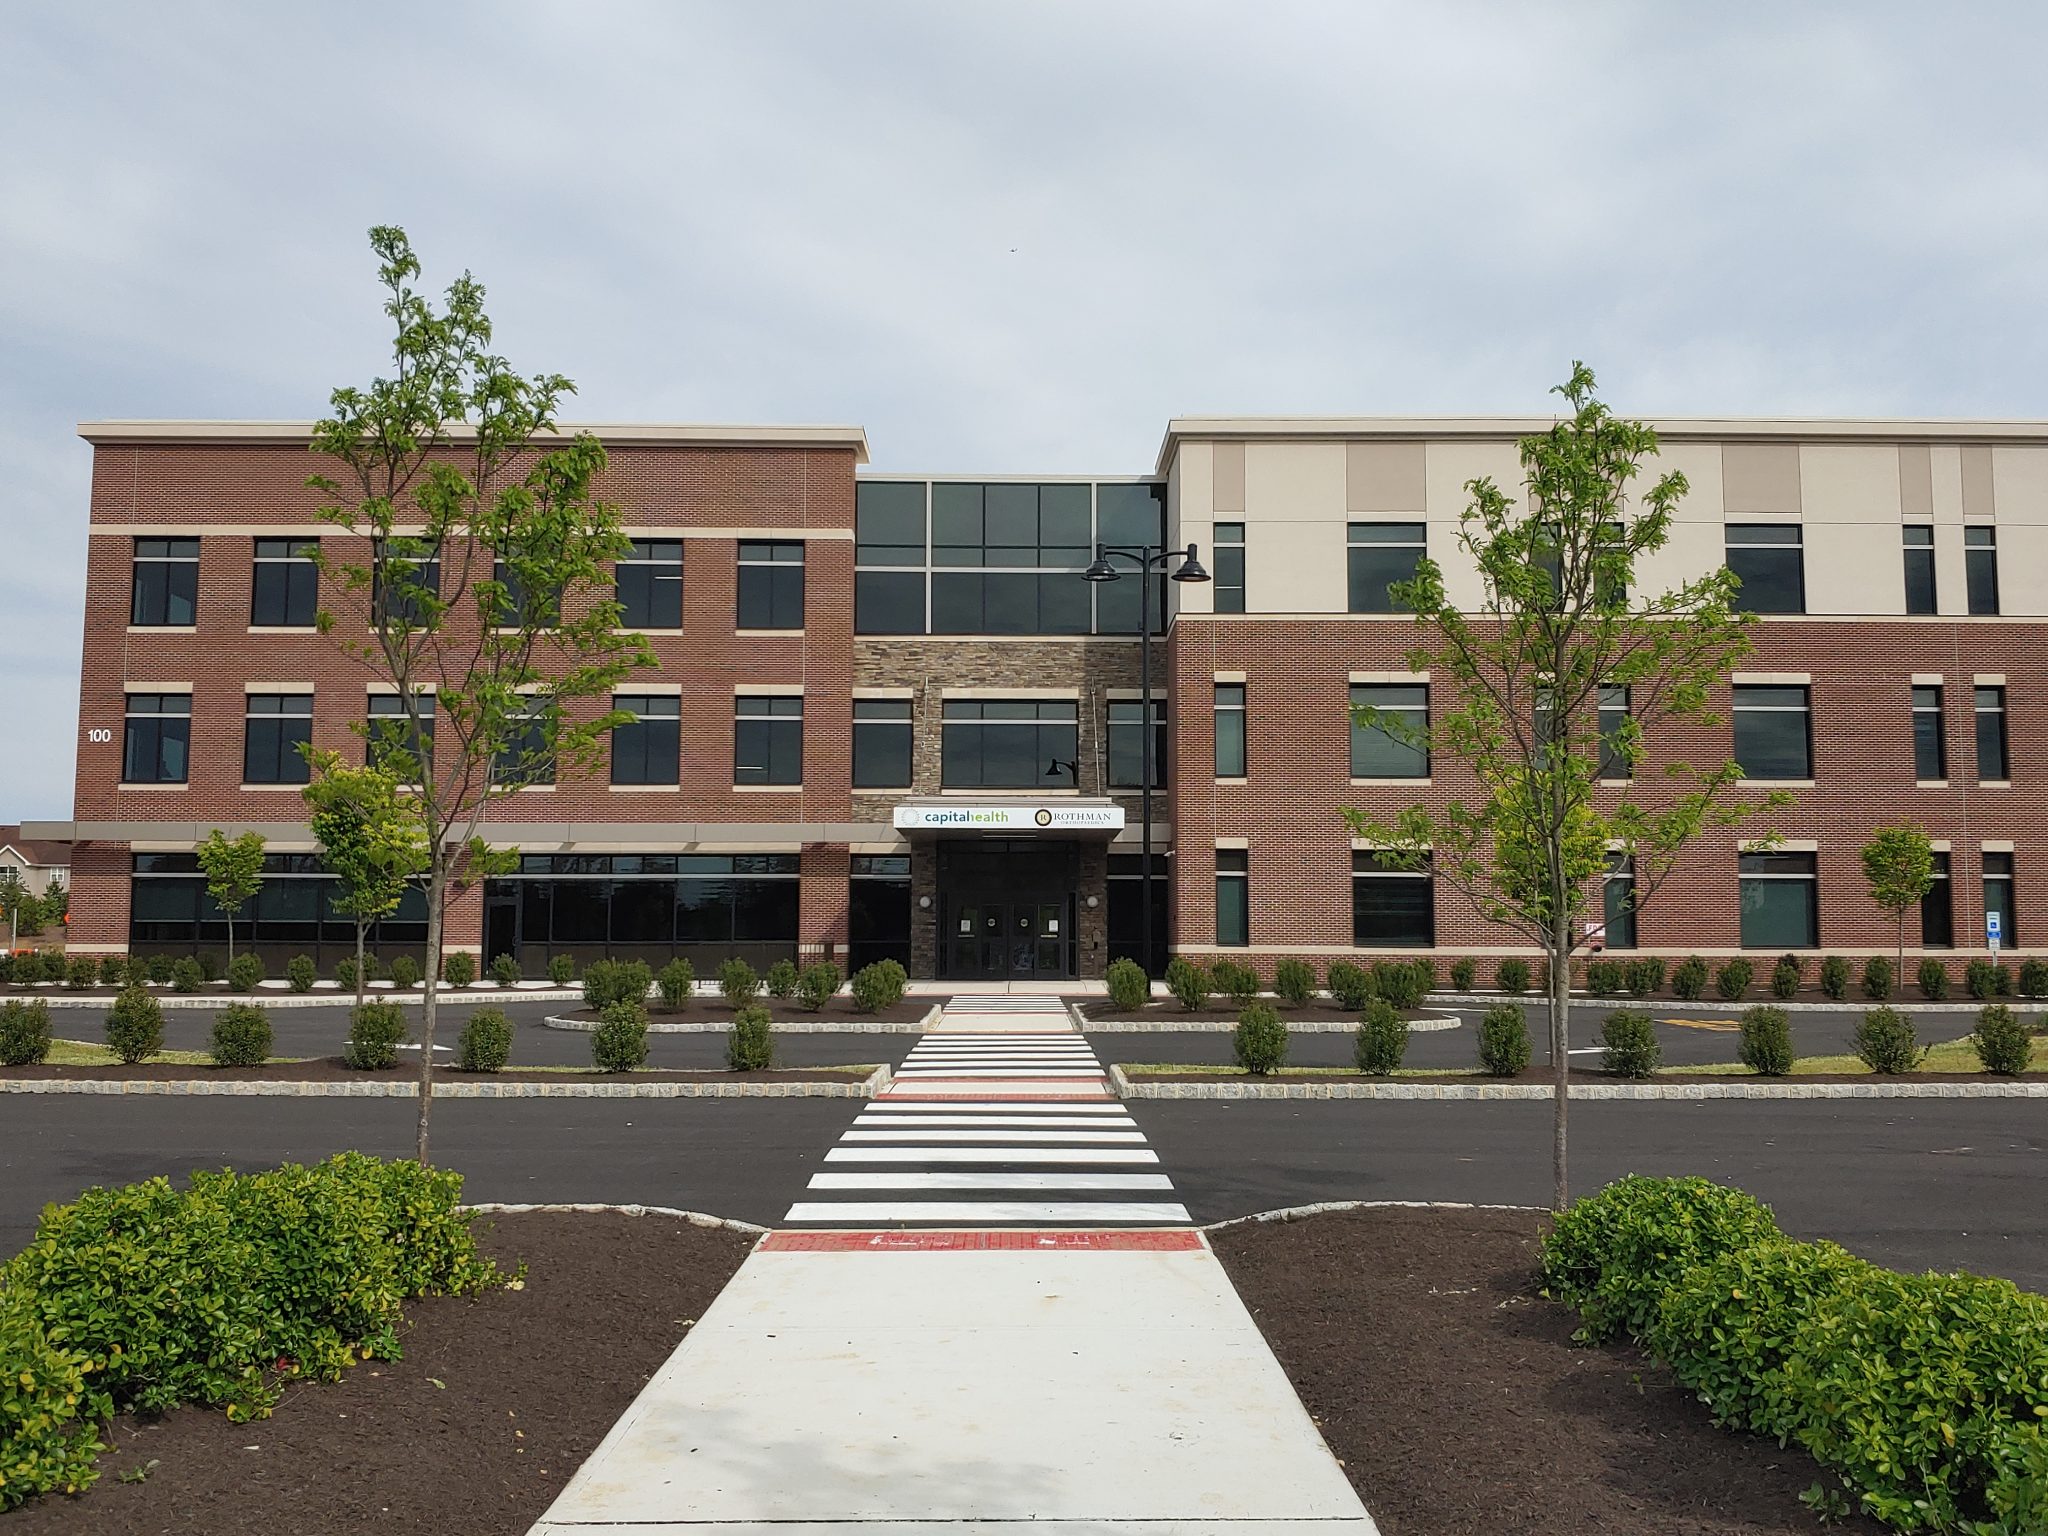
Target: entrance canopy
1090 820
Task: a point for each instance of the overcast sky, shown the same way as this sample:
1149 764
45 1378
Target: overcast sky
1008 238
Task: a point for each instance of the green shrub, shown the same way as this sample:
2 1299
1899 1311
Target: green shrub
1606 978
209 967
160 969
81 972
186 974
2002 1042
2034 978
114 971
1382 1039
1464 974
301 972
1612 1255
1260 1040
1645 976
1512 975
619 1043
781 979
2001 980
738 984
485 1044
241 1036
1629 1044
749 1047
1878 978
1504 1040
615 981
1404 983
1932 979
1732 980
561 969
505 971
1766 1047
1980 979
405 973
135 1026
678 980
24 1036
1689 980
1239 983
213 1295
1884 1039
458 967
1350 986
1294 981
818 984
246 974
1129 986
878 986
345 973
374 1032
1834 977
1786 977
1188 982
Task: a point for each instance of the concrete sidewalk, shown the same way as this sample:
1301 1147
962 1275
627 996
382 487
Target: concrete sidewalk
1085 1382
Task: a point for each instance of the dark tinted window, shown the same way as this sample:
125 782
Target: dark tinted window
1780 901
1380 555
881 744
1230 731
165 588
1773 735
1920 596
1228 571
1233 897
284 584
1127 744
275 727
1009 743
768 739
390 739
156 745
1618 901
1992 759
403 579
648 748
889 523
650 581
1998 898
771 585
1930 735
1614 712
1980 567
1937 910
1769 562
1390 908
1378 753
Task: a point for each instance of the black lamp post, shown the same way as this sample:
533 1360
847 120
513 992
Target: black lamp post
1147 558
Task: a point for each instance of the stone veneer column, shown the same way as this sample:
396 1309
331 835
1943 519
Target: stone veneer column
924 920
1091 924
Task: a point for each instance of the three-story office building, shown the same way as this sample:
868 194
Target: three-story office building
892 717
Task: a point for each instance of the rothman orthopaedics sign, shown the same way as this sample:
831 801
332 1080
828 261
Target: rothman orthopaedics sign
1005 818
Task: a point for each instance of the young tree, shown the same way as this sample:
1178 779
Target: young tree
1898 861
370 840
18 902
1516 687
234 873
480 577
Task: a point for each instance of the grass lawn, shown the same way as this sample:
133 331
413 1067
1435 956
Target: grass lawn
85 1053
514 1066
1949 1056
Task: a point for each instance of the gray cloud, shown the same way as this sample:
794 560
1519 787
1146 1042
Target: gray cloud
1006 238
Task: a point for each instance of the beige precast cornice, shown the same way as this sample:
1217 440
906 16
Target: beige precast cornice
1806 429
702 434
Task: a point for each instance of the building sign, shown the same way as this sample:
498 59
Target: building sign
1009 818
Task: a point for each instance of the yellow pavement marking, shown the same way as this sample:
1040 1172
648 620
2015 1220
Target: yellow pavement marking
1721 1025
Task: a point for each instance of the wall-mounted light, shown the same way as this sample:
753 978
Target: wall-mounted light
1094 901
925 902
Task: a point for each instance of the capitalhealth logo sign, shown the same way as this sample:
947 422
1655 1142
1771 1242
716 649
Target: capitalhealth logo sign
1009 818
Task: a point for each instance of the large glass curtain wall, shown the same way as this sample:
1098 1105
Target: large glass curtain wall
170 913
878 910
705 908
953 557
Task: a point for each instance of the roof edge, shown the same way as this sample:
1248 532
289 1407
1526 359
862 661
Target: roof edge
709 434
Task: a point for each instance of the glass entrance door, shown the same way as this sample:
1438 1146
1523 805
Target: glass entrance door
1008 940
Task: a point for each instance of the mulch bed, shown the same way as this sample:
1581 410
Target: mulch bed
328 1069
495 1405
1543 1075
1225 1012
840 1010
1453 1395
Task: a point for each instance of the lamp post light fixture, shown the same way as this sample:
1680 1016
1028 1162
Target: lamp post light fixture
1147 558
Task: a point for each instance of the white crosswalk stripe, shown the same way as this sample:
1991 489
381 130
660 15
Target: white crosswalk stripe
993 1126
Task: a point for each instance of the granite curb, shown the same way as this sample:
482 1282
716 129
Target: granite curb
1469 1092
593 1208
1332 1207
270 999
387 1088
1425 1025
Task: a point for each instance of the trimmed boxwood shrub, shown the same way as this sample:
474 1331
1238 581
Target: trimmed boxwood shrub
615 981
738 984
1786 977
458 967
2002 1042
1766 1047
1464 974
749 1047
1878 978
143 1297
1239 983
405 973
1606 978
619 1043
677 981
135 1026
1504 1040
1188 983
818 984
301 972
209 967
1612 1255
114 971
246 974
187 974
485 1044
1382 1039
1932 979
24 1034
1732 980
345 973
1980 979
82 972
1260 1040
159 968
1512 975
1689 981
1834 977
1629 1044
1294 981
1128 985
1885 1041
505 971
561 969
878 986
781 979
1404 983
1350 986
1645 976
2034 978
374 1033
241 1036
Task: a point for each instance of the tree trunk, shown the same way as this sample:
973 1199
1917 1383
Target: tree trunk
437 889
362 985
1560 1050
1899 964
231 936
